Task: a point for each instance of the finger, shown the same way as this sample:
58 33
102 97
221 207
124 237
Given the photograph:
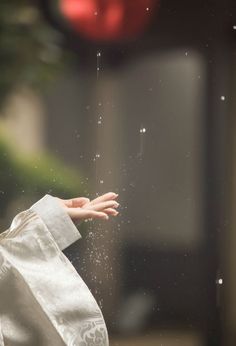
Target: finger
111 211
76 202
82 214
103 205
107 196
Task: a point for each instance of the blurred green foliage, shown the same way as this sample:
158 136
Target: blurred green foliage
31 50
34 177
31 55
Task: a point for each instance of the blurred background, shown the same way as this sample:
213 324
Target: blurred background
135 97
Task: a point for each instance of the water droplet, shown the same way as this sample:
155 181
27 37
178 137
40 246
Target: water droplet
222 98
147 9
142 130
101 181
95 13
234 27
186 53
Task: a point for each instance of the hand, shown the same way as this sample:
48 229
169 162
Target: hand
82 208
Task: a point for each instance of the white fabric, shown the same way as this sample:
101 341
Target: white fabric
57 221
43 300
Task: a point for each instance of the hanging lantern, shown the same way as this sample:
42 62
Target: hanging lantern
108 20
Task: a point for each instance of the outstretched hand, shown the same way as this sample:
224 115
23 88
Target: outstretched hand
82 208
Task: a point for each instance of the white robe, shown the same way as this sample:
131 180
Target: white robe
43 300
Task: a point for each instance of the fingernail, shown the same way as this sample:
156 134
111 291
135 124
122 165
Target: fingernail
105 217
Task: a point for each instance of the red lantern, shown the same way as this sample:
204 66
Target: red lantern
108 19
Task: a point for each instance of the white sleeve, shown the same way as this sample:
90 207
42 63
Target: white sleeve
57 221
43 300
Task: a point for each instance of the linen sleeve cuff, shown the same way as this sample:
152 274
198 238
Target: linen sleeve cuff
57 221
